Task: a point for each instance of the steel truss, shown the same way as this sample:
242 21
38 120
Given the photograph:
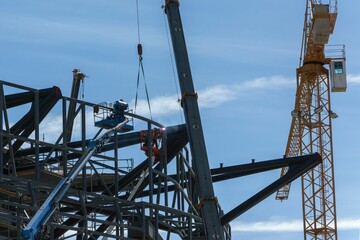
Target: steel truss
34 167
318 184
110 198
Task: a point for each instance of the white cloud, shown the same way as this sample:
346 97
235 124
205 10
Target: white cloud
161 105
211 97
288 225
352 78
347 224
51 127
214 96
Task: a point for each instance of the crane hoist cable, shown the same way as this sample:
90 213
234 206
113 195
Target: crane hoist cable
172 62
141 71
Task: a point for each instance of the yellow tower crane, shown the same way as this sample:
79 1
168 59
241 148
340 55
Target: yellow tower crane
311 126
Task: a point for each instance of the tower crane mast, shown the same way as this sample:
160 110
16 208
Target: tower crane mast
311 126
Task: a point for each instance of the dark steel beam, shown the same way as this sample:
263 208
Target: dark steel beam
225 173
17 99
295 171
231 172
176 140
26 125
77 78
209 206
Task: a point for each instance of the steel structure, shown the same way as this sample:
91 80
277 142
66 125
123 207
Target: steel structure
88 200
77 187
311 126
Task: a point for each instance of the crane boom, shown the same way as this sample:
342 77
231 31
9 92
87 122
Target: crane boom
208 204
311 126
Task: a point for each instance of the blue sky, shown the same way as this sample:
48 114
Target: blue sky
243 56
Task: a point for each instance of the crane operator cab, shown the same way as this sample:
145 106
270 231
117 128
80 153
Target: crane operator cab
338 75
109 115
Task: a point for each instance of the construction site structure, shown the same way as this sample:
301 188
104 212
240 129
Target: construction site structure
311 126
76 186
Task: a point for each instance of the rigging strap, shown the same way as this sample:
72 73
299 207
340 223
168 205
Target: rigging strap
141 72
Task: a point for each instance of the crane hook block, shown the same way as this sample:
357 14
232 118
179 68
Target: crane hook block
139 49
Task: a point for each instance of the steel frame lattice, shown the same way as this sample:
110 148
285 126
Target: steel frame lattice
311 127
94 206
318 184
109 198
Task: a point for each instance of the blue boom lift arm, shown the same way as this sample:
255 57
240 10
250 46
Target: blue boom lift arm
47 209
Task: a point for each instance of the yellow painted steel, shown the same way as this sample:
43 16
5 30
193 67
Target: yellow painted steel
311 131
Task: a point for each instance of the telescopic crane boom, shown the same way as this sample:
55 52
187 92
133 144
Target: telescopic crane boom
208 205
